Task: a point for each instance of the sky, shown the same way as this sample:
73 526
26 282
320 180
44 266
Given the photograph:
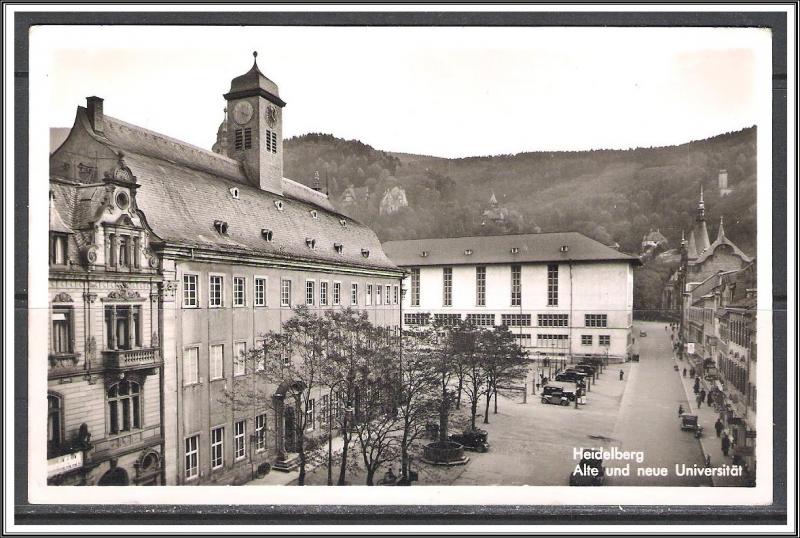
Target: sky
449 92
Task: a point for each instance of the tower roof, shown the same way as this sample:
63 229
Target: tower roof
254 82
692 246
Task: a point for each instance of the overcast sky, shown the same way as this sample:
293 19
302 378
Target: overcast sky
448 92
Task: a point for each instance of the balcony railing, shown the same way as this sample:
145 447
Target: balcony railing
122 442
131 359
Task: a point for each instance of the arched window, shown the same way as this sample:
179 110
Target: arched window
124 407
55 424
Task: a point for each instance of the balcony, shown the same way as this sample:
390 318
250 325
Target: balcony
122 443
131 359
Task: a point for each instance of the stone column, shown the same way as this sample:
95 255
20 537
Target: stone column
131 328
113 328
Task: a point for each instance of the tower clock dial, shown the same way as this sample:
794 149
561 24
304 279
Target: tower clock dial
242 112
272 115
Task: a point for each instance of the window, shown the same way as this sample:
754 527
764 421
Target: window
524 339
239 293
62 330
58 249
123 327
416 319
215 291
586 339
55 424
378 294
324 409
309 292
559 341
368 296
481 320
243 138
261 432
124 407
215 361
310 414
396 294
552 284
480 286
239 357
337 293
388 299
596 320
354 293
415 286
447 286
323 294
122 259
516 320
271 139
516 285
217 446
239 446
553 320
604 340
191 468
261 357
190 291
286 292
447 319
260 297
190 359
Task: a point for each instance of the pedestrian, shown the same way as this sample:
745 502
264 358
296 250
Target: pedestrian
621 375
703 394
718 427
710 398
708 460
684 372
699 401
726 445
691 372
696 385
680 411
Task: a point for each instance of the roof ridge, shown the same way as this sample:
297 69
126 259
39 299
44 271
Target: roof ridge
491 236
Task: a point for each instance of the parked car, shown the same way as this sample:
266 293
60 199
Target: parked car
557 395
475 440
571 375
588 477
585 368
642 333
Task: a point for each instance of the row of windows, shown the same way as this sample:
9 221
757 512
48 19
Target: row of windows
602 339
480 286
509 320
124 328
384 294
217 445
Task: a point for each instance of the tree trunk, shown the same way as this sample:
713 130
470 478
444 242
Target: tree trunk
443 412
460 390
404 454
370 477
486 410
494 390
474 412
346 439
301 480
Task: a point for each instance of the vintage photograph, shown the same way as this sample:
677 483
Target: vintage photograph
426 257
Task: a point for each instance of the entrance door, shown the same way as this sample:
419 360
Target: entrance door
289 429
115 477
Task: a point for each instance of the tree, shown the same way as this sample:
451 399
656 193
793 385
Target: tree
470 353
505 362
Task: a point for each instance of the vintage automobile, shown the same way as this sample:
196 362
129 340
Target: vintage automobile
570 375
635 357
642 333
557 395
592 472
585 368
689 423
475 440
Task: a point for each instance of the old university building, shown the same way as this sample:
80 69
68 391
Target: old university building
562 294
167 263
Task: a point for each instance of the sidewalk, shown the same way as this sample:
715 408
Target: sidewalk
706 417
280 478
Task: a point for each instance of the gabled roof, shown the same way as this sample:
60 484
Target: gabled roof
517 248
722 239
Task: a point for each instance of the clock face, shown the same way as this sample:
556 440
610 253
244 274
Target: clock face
242 112
272 115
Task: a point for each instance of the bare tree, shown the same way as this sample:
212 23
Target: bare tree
504 361
471 354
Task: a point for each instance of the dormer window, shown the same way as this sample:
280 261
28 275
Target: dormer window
424 253
266 234
58 249
314 214
221 227
234 192
311 243
468 252
514 250
564 248
338 247
279 205
343 222
365 253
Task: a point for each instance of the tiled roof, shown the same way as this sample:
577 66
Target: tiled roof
530 248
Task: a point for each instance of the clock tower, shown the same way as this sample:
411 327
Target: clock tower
254 128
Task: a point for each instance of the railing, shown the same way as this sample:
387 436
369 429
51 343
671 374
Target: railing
122 441
131 359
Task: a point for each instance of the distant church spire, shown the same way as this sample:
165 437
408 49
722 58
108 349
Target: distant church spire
493 199
721 231
701 206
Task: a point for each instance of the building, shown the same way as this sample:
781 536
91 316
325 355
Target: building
228 246
393 200
563 294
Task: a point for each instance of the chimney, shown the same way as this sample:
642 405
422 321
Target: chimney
94 108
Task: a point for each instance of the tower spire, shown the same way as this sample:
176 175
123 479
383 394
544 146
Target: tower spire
721 231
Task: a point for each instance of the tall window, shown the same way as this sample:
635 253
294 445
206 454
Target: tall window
396 294
552 284
337 293
604 340
239 291
516 285
388 299
217 447
215 291
260 296
190 291
123 327
368 295
310 414
55 433
309 292
378 294
215 359
415 286
261 432
354 293
323 294
62 330
239 446
58 249
480 286
191 467
124 407
286 292
447 286
122 259
190 366
239 357
596 320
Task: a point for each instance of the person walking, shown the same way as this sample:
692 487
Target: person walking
703 394
684 372
699 401
621 375
710 398
680 409
726 444
718 427
696 385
